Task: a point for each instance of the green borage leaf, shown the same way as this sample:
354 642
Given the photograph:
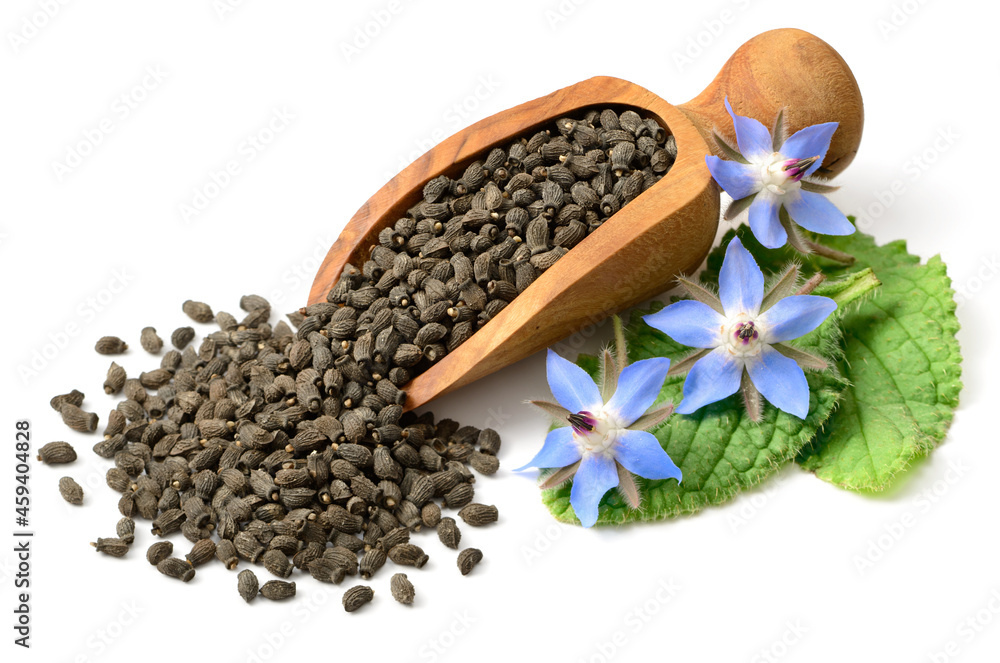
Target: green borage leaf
900 353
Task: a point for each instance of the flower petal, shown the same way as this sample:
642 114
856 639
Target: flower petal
753 138
741 283
573 388
781 381
814 212
596 476
689 322
559 450
739 180
794 316
764 220
808 142
640 453
638 386
712 378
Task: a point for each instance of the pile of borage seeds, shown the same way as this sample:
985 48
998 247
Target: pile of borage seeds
289 448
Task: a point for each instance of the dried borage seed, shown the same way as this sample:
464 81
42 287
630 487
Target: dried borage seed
402 589
77 419
55 453
159 551
70 490
110 345
74 397
198 311
467 560
176 568
277 590
150 341
357 596
478 515
113 547
247 585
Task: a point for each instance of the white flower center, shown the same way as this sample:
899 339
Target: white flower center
600 440
741 336
775 178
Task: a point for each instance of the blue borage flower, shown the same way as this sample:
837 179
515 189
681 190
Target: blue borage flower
606 441
767 175
742 333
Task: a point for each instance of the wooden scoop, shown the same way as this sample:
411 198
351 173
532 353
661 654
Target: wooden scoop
666 231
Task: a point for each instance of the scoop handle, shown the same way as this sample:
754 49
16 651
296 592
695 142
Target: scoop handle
791 69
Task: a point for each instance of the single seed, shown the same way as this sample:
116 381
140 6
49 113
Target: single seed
70 490
115 379
448 532
74 398
277 590
277 563
110 345
202 551
401 588
159 551
407 554
181 337
468 558
126 530
150 341
247 585
198 311
357 596
225 551
176 568
113 547
430 514
478 514
55 453
371 562
77 419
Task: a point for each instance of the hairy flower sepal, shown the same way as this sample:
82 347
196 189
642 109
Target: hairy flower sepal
742 334
605 442
768 175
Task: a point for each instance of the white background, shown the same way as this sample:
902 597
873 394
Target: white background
774 574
